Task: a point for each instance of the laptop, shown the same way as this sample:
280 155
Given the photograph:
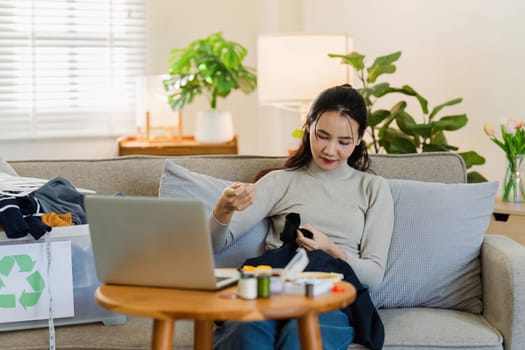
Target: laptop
156 242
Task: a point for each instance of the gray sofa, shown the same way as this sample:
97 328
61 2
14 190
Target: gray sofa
501 325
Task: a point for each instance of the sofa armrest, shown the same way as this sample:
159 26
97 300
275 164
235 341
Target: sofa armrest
503 278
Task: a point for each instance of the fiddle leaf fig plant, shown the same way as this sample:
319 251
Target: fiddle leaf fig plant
395 130
212 66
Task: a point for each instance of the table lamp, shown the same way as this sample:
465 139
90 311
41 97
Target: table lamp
153 111
293 68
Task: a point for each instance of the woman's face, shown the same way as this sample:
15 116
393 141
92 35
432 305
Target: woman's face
333 138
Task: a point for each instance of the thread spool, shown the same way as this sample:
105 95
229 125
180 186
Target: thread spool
247 285
264 275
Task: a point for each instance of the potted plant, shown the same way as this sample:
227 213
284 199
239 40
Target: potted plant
212 67
394 130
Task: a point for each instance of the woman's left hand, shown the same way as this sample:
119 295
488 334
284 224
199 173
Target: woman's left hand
318 241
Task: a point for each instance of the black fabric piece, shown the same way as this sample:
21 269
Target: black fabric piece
362 313
60 196
289 234
306 233
27 204
36 227
16 217
11 218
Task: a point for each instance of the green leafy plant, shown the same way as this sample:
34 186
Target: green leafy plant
395 130
212 66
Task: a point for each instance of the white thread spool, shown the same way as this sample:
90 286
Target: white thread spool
247 286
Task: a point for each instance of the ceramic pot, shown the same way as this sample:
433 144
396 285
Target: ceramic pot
214 127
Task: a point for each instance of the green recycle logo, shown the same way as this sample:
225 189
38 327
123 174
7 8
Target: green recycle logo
35 280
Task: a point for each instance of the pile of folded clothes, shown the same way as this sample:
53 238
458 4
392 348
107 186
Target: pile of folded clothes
33 206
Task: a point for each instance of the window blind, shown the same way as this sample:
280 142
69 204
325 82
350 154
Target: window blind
68 67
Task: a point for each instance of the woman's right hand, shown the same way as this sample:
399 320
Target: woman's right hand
237 196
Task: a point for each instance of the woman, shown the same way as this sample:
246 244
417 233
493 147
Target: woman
348 210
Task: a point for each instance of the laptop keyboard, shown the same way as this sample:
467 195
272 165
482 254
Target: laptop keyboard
220 278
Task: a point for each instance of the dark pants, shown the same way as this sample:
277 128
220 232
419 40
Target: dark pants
336 333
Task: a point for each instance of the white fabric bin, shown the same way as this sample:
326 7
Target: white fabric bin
85 282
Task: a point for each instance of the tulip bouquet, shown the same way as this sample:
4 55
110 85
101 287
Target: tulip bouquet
513 137
512 142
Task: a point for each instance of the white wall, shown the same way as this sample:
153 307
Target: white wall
471 48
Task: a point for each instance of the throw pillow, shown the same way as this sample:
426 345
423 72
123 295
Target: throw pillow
6 168
434 253
179 182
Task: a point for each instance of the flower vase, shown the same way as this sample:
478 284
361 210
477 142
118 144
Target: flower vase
514 181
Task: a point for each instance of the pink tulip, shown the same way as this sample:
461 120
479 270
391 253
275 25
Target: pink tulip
489 130
509 125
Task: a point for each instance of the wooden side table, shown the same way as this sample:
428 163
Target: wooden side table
130 145
508 219
165 305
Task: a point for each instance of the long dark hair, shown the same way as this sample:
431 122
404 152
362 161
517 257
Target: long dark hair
349 103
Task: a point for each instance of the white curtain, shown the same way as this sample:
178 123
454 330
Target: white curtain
68 67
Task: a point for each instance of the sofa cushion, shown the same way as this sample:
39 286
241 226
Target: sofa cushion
434 253
433 329
179 182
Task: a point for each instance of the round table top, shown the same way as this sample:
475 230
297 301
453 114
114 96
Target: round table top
173 303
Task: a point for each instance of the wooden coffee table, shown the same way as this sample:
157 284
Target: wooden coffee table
165 305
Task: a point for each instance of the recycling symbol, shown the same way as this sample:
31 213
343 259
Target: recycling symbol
35 283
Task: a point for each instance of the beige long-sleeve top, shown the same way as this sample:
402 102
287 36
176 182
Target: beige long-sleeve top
353 208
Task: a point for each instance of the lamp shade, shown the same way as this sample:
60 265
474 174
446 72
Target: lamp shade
153 111
151 98
293 68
